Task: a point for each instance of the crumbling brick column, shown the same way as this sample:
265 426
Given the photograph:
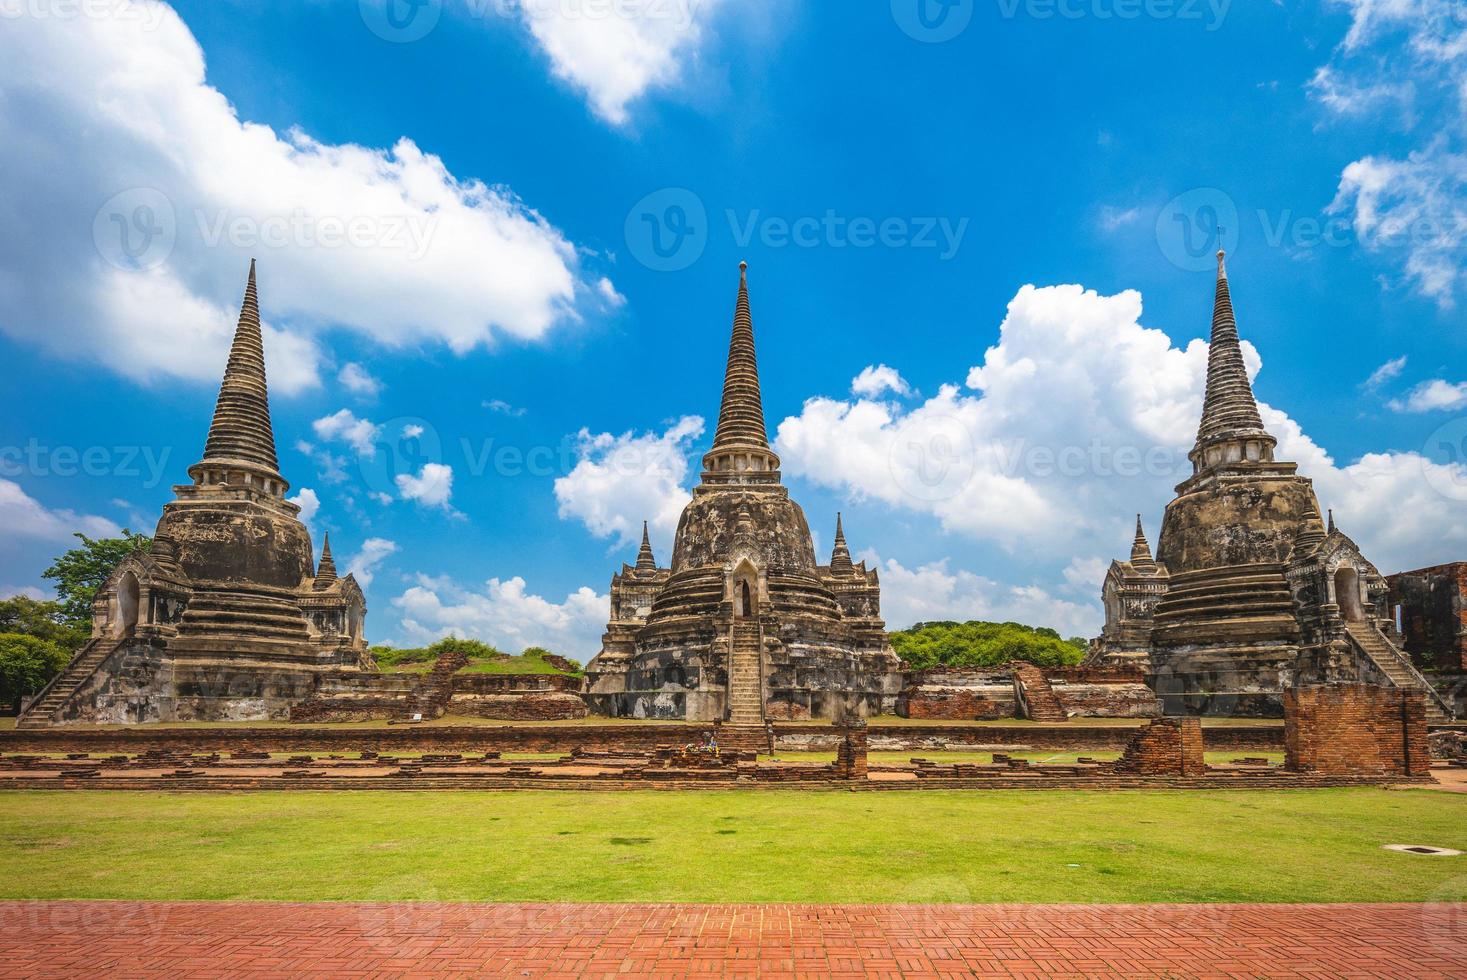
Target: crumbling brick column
850 757
1356 729
1166 747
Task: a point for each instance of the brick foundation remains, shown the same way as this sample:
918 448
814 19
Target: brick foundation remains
1166 747
1355 730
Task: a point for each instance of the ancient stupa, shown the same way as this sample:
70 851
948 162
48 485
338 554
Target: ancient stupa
745 626
1249 594
225 617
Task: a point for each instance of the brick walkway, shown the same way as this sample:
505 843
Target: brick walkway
238 939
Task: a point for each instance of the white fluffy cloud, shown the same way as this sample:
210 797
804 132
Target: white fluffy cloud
357 380
1077 400
1408 57
1076 420
621 481
22 516
1416 207
934 592
432 487
343 426
506 615
876 379
136 196
364 564
616 52
1433 396
308 502
1389 371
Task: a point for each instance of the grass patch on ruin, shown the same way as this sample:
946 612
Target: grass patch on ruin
929 846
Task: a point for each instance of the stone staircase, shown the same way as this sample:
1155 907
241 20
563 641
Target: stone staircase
1386 656
431 699
55 695
745 729
1035 695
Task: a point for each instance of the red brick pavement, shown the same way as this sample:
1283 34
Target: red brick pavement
122 939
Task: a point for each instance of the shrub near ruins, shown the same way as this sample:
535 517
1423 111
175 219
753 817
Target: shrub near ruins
981 644
482 659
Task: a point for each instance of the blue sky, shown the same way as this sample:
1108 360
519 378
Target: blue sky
894 193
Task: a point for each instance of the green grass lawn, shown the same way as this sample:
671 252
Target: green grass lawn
984 846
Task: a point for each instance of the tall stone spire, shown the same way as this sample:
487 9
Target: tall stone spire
645 559
1230 419
240 437
840 558
741 452
1141 551
326 570
741 417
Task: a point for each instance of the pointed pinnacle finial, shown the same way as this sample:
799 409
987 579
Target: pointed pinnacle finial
326 570
741 416
1140 549
240 434
840 556
1331 520
1311 532
645 559
1222 266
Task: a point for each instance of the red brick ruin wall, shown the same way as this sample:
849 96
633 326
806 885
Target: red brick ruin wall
1433 605
1350 730
850 758
1166 747
632 737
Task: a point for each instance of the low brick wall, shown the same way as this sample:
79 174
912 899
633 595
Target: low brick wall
1354 730
1166 747
632 737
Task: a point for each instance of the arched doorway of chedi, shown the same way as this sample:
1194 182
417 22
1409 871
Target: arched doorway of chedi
128 599
1347 594
746 590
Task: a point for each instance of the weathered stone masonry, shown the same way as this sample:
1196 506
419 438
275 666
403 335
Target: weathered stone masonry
744 627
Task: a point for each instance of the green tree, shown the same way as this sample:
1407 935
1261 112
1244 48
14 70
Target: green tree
80 572
43 619
27 663
980 644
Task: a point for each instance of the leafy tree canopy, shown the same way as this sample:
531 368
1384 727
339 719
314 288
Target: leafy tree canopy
80 572
27 663
43 619
980 644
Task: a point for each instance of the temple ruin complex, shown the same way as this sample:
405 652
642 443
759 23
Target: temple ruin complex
745 626
1250 594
